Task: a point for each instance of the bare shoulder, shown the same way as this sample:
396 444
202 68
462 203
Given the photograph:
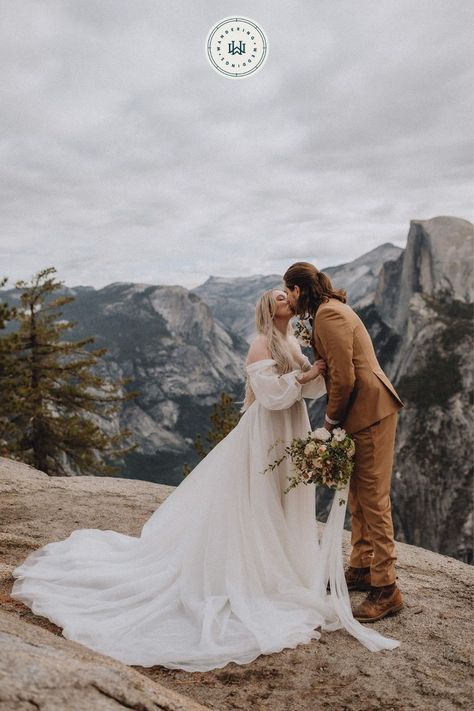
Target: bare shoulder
258 350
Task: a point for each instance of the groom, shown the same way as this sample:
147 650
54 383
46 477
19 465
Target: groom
362 400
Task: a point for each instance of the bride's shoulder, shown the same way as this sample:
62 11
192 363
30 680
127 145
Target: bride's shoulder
259 350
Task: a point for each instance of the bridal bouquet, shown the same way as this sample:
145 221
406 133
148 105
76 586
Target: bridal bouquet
322 457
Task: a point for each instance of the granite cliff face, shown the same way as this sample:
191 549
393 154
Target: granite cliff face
360 277
421 323
437 260
233 300
179 359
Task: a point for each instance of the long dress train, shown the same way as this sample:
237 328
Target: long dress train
226 569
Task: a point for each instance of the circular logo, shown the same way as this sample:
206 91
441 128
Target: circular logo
236 47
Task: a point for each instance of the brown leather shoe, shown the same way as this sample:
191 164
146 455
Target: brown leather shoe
379 603
356 579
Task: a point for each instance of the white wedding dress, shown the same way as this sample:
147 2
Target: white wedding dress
226 569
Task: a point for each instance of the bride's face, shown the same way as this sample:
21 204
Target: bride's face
283 306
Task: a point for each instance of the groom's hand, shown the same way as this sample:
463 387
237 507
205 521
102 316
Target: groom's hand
330 425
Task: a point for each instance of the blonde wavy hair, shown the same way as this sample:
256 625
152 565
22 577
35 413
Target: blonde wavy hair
264 320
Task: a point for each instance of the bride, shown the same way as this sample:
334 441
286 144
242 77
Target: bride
228 567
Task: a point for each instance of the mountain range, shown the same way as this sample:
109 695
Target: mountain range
182 348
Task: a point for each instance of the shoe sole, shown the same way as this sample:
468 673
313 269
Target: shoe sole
392 611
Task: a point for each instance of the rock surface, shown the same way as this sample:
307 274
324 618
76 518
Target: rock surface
40 669
438 258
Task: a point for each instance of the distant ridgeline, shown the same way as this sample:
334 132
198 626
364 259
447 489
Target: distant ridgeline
184 348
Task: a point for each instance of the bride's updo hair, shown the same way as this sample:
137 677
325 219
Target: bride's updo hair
316 287
264 320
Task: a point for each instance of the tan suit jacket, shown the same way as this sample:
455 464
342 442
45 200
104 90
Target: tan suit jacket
359 392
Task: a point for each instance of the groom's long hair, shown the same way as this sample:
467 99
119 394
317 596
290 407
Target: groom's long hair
264 313
315 286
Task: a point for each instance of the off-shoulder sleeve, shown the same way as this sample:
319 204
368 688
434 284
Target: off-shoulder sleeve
274 391
315 388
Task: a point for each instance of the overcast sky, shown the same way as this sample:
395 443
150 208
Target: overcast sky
126 157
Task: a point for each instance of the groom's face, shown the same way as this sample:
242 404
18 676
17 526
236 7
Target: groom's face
293 296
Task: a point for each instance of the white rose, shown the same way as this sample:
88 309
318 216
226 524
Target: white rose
309 449
338 434
322 434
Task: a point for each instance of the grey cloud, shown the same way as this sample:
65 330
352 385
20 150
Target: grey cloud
126 157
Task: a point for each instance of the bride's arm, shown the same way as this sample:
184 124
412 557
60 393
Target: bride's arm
314 385
311 372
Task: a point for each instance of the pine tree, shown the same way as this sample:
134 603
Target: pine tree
52 396
224 417
7 313
7 388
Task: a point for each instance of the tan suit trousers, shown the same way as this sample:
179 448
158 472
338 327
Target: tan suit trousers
369 501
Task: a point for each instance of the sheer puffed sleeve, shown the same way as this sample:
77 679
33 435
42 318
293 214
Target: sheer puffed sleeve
278 392
315 388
